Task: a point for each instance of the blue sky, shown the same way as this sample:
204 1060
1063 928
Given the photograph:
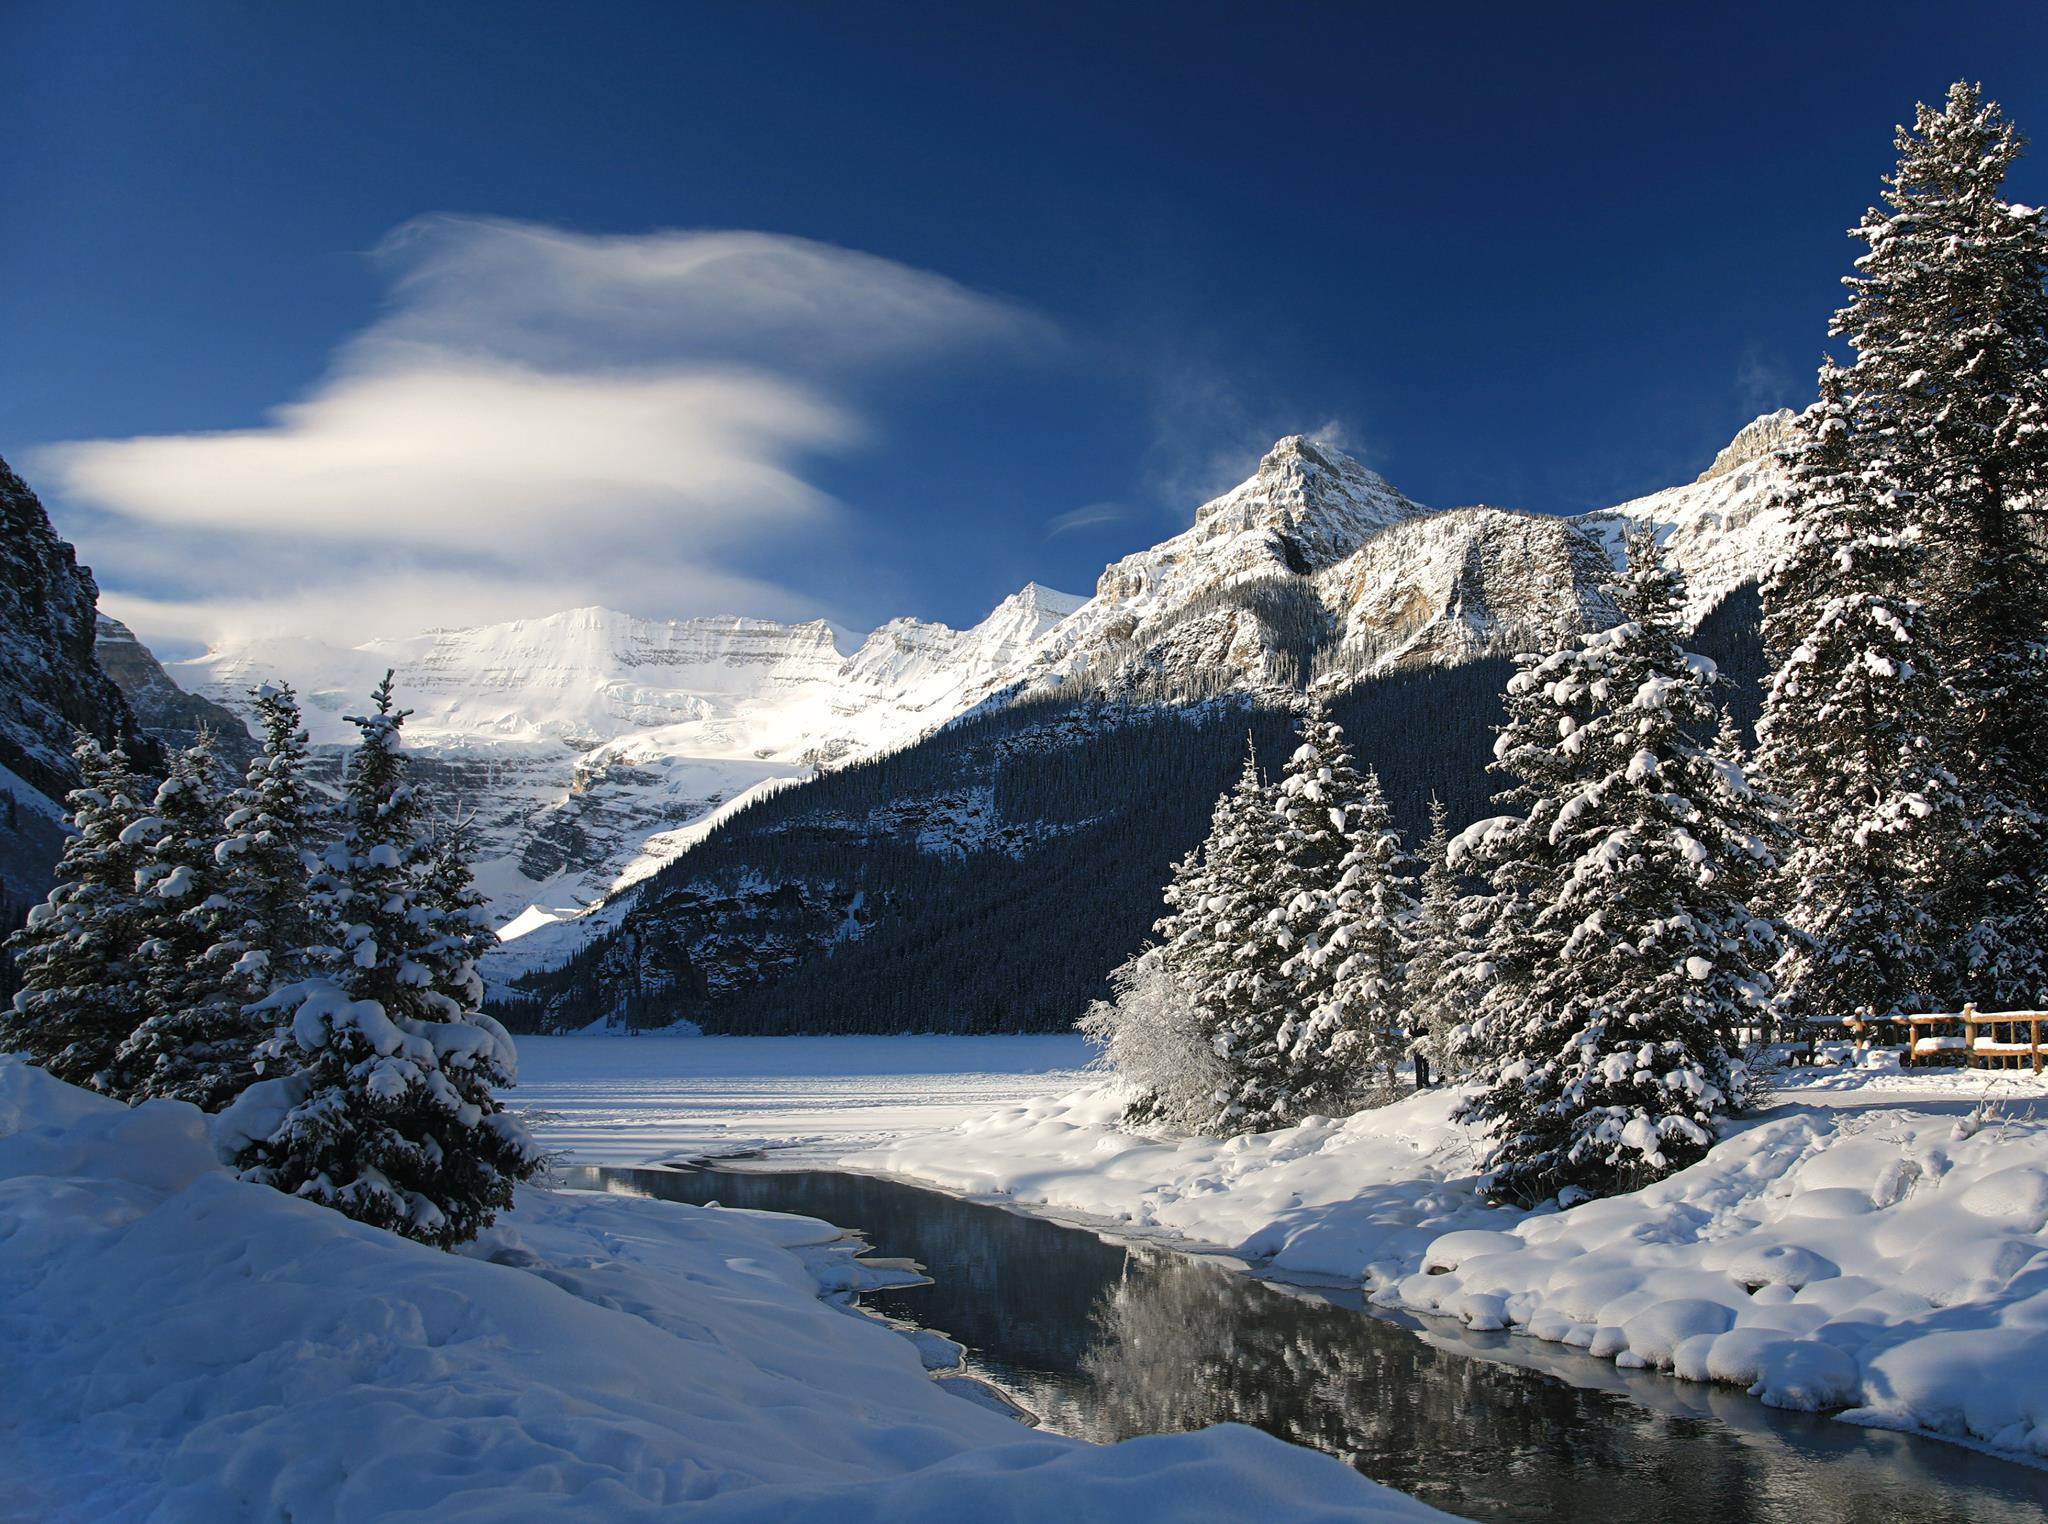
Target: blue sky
344 318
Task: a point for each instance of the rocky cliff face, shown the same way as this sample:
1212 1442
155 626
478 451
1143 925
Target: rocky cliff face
51 686
165 711
1754 444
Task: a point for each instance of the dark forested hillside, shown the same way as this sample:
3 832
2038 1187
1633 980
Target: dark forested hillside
986 879
989 877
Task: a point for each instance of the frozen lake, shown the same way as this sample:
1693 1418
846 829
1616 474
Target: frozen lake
638 1100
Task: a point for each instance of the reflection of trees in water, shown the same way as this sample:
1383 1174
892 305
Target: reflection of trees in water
1179 1344
1107 1343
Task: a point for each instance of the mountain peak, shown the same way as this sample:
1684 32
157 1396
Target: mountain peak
1318 500
1300 447
1754 441
1036 595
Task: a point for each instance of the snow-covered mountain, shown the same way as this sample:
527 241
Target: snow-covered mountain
590 743
594 746
1315 538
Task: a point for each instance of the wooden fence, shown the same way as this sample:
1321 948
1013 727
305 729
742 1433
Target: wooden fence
1969 1037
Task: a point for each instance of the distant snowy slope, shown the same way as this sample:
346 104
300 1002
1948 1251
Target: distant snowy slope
586 740
1723 529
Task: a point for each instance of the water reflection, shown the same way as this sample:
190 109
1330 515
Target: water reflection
1106 1342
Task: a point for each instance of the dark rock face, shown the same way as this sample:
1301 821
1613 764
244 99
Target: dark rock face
163 709
51 685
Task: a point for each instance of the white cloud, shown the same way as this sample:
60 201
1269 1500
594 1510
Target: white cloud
1762 383
540 419
1087 516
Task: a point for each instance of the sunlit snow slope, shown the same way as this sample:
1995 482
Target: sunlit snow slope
588 742
593 746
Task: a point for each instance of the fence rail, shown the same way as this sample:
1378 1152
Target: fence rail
1969 1037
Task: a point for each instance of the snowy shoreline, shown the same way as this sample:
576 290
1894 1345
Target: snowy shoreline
1362 1201
184 1344
1711 1276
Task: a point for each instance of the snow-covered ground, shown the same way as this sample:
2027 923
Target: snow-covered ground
618 1100
1875 1241
181 1345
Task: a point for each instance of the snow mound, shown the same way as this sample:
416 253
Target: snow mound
181 1344
1864 1253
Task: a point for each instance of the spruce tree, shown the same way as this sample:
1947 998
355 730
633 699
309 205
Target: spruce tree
1279 866
198 1042
1851 730
82 985
1548 702
1641 955
272 830
1441 985
1323 890
1353 964
1948 315
392 1117
455 914
1225 942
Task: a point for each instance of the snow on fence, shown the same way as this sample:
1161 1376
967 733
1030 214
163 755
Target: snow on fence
1970 1037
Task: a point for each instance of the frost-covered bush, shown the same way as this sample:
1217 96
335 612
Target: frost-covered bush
1151 1036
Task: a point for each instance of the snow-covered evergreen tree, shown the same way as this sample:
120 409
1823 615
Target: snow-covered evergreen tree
82 985
1442 981
1637 955
455 916
272 830
1852 731
1226 941
1948 315
1325 889
198 1042
1547 703
1351 966
390 1115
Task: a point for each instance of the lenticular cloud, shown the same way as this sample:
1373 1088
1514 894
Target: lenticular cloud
532 405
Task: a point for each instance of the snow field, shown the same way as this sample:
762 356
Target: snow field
607 1099
1876 1242
182 1345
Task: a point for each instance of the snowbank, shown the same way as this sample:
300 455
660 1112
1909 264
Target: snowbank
1875 1243
1319 1200
181 1345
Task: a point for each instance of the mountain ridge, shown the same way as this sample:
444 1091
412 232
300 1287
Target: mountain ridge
595 745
